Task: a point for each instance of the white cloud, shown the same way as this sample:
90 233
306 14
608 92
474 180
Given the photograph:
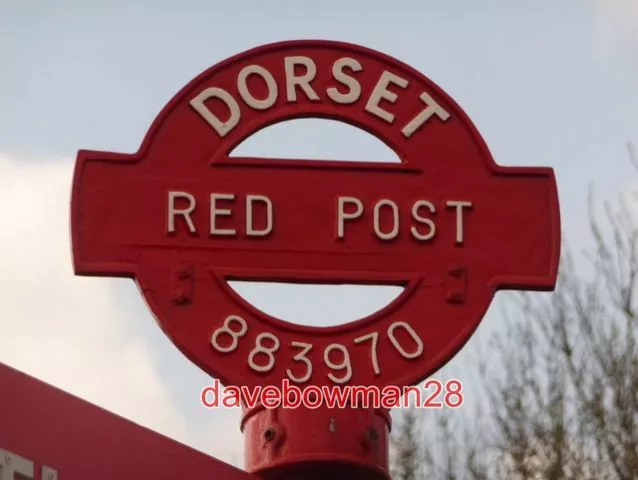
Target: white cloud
63 329
617 21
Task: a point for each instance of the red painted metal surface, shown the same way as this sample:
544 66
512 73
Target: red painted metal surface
65 438
302 223
300 443
183 217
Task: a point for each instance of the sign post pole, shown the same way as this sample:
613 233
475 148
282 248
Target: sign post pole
302 443
184 217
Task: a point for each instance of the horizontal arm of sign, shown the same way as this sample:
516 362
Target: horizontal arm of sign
353 221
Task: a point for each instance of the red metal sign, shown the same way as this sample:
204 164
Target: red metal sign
183 217
47 434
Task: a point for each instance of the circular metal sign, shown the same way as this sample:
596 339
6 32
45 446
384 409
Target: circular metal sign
183 218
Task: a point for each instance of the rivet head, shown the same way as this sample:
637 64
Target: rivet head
183 273
270 434
181 298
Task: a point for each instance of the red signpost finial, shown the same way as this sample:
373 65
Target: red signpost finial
296 443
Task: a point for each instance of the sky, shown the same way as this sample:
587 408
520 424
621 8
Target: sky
547 83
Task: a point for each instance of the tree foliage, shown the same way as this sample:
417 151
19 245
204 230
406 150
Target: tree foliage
563 400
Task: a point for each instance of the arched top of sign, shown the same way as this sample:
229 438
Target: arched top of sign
318 79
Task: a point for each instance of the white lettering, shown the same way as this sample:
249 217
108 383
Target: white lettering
217 212
420 219
300 72
354 87
250 229
262 356
234 335
222 128
303 81
342 216
344 365
417 340
395 219
381 92
185 212
48 473
250 100
374 337
459 205
12 464
260 348
301 357
432 108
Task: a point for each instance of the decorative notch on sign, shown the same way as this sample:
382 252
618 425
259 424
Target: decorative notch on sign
457 284
182 279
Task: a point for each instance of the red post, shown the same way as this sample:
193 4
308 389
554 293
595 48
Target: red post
323 443
185 218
